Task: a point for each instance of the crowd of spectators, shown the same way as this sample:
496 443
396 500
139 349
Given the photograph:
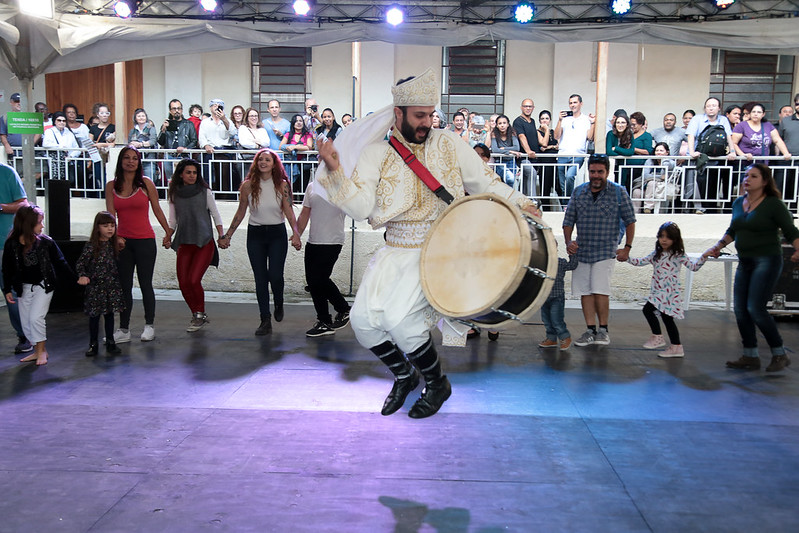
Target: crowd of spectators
544 158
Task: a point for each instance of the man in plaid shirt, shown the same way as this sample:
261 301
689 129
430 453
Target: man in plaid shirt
603 213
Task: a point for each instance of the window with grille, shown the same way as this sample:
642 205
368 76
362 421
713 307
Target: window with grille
281 73
738 78
474 77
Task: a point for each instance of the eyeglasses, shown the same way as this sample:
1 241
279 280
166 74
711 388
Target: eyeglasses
60 120
176 108
597 157
528 106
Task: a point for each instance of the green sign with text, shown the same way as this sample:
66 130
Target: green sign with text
29 123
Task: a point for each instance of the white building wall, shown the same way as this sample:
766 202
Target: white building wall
183 79
672 79
412 60
154 95
331 77
622 80
224 75
377 74
529 71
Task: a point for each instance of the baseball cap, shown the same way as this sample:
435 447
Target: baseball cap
217 101
15 97
478 120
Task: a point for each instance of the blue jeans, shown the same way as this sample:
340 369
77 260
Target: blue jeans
508 172
267 247
567 170
552 314
755 280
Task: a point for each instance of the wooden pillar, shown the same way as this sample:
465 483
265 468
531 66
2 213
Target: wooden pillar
601 96
121 103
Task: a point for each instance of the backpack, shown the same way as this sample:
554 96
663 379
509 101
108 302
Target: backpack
713 141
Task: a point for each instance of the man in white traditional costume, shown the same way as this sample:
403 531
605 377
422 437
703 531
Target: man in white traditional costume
366 177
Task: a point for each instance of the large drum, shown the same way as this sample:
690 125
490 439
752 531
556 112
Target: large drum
487 263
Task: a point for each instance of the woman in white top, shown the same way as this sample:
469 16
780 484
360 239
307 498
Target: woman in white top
267 193
59 137
252 134
190 203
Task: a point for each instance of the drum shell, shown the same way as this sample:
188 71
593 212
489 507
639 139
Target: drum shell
474 262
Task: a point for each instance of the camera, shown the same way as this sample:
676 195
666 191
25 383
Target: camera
314 108
220 107
569 113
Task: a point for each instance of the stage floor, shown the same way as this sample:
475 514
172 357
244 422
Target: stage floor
220 430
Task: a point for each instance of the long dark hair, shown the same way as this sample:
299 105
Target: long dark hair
511 133
672 231
626 137
279 177
769 186
104 217
293 121
25 219
176 181
119 174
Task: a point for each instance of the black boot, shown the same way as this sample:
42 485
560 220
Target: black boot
437 388
111 348
92 351
406 378
278 313
265 328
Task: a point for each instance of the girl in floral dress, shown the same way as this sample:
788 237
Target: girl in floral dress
665 296
98 272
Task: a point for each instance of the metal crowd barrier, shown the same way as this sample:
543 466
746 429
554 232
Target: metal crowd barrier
542 178
683 189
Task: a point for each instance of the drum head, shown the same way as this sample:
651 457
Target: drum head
474 255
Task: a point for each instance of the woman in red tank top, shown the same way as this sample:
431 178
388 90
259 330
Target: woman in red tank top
130 197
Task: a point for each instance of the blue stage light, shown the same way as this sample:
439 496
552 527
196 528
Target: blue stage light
620 7
524 12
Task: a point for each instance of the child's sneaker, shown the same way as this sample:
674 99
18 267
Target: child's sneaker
655 341
566 343
548 343
675 350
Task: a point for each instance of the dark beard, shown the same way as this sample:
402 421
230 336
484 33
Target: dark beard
411 135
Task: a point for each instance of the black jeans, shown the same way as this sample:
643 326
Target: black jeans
138 254
319 262
267 247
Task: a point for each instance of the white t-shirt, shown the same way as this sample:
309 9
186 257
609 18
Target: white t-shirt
573 137
327 220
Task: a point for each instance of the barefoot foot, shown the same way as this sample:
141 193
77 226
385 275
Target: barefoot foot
42 359
29 358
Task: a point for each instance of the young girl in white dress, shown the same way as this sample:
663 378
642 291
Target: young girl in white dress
665 294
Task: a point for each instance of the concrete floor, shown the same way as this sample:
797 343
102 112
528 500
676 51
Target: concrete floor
222 431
